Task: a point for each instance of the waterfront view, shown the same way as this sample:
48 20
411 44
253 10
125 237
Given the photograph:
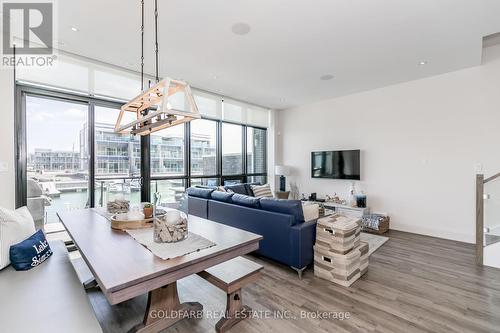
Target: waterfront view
58 162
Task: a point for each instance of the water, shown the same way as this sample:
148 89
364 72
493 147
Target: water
77 200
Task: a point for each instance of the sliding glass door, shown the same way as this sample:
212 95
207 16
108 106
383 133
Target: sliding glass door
57 166
117 159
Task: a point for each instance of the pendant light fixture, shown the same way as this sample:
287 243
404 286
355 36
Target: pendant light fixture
152 107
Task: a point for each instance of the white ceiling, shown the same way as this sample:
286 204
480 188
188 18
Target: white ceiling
365 44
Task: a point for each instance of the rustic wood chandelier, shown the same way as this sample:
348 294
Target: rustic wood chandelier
152 107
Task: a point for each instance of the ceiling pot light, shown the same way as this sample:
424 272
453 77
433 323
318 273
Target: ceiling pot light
422 63
326 77
75 29
240 28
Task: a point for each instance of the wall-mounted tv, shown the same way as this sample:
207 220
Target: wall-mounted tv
339 164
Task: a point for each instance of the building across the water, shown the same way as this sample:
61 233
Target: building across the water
119 155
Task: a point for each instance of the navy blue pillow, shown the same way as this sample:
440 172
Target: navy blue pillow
245 200
283 206
222 196
30 253
238 188
200 192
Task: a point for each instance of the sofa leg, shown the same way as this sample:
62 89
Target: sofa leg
299 271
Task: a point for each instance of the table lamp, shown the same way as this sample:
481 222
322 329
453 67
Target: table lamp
282 171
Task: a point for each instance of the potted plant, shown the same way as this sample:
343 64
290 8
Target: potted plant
148 210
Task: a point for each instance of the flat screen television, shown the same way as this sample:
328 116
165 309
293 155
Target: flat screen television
339 164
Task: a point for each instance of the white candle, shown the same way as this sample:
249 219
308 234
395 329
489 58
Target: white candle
173 216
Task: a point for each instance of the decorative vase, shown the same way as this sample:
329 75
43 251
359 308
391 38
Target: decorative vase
361 200
171 227
351 199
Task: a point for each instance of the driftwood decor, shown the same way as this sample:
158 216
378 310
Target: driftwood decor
154 111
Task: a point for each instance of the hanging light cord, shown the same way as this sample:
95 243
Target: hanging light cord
156 40
142 45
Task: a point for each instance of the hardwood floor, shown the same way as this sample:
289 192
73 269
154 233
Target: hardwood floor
414 284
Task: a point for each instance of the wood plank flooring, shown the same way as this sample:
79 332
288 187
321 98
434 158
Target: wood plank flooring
414 284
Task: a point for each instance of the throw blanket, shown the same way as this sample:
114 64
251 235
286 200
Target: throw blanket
372 221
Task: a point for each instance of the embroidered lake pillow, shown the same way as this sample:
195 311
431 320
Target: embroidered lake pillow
30 252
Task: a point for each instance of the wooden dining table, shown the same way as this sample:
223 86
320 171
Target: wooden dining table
124 269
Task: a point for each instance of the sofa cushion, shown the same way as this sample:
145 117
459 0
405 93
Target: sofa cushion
310 210
30 253
290 207
200 192
245 200
249 187
261 191
15 226
222 196
47 298
238 188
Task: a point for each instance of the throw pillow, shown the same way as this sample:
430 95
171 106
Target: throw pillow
222 196
221 189
30 252
262 191
200 192
245 200
15 225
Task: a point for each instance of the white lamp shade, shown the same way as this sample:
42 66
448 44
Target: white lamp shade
281 170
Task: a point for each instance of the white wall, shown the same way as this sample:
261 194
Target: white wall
7 178
420 142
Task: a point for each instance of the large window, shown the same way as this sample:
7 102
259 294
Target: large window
57 169
167 152
203 147
256 150
76 160
232 149
115 154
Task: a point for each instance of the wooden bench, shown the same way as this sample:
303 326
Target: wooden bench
231 276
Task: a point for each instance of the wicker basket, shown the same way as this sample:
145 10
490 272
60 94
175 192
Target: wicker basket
382 228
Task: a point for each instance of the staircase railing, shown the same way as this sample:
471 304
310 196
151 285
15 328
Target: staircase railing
480 182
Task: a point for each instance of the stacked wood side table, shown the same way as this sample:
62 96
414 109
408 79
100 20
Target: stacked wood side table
339 254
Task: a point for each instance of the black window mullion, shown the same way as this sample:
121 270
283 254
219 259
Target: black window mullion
244 151
91 157
21 149
218 150
145 168
187 153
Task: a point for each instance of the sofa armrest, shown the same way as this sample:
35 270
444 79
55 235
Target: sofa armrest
302 238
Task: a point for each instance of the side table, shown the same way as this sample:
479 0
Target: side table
282 195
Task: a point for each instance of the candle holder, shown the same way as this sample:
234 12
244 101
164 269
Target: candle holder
171 227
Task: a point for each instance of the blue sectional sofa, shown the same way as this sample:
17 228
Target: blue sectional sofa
287 238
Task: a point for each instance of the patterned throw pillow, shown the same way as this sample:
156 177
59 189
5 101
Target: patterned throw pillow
15 225
262 191
30 252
